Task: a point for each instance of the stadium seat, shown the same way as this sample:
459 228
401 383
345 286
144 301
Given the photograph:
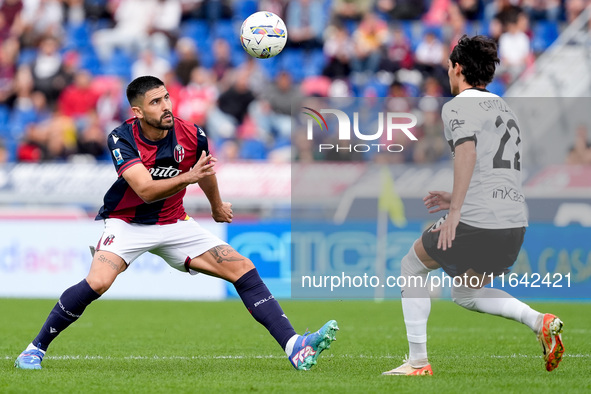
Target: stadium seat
251 149
89 61
198 30
4 118
77 36
314 63
227 30
243 9
119 64
544 34
292 60
497 87
27 56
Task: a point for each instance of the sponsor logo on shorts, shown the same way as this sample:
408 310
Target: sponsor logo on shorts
109 240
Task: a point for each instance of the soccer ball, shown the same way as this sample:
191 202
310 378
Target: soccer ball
263 35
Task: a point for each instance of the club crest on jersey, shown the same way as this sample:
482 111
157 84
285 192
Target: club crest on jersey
179 153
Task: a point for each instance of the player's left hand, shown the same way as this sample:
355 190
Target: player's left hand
447 230
223 213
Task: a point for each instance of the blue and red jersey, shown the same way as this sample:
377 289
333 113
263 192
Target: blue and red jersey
174 154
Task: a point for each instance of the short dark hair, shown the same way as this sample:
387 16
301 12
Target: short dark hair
478 57
139 86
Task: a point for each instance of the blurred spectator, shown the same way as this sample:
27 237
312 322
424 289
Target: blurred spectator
457 21
8 57
40 19
47 69
31 148
222 59
398 54
198 97
4 155
574 8
275 6
503 11
548 10
580 153
400 9
368 39
164 29
514 50
346 10
10 19
430 56
210 10
149 64
470 9
92 140
60 132
232 108
273 113
78 99
338 49
237 98
188 60
255 75
133 20
229 151
75 13
305 22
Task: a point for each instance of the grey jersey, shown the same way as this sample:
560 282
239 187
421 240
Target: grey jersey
495 198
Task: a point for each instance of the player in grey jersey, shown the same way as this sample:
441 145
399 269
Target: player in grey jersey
483 230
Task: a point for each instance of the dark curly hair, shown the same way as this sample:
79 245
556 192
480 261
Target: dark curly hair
478 57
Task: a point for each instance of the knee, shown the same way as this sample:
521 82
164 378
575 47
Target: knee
464 297
99 284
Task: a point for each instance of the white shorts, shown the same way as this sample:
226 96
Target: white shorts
176 243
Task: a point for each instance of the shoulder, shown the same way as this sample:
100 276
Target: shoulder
124 130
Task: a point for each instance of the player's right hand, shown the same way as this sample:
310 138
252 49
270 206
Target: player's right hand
439 199
203 168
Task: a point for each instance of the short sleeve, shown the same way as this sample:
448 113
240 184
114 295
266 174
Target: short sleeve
459 124
123 153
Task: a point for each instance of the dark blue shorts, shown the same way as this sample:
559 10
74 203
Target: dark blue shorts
484 250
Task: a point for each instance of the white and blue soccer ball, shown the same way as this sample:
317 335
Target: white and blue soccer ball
263 35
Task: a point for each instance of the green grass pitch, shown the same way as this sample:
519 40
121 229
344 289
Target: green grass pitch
178 347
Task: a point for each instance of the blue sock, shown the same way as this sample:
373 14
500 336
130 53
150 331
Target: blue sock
264 307
67 310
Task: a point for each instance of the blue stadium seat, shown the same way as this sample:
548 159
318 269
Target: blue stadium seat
119 65
314 63
198 30
497 87
77 36
253 150
89 61
243 9
227 30
27 56
292 60
544 34
4 118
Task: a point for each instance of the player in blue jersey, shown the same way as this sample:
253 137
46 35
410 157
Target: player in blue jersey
483 231
156 157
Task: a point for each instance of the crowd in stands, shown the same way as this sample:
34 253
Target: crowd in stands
64 65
